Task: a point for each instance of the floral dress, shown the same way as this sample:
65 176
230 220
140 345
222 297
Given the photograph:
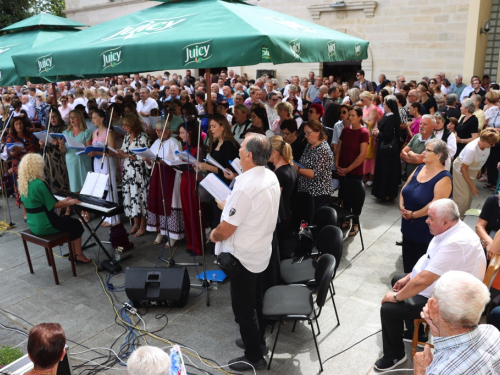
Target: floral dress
135 179
56 172
30 145
42 111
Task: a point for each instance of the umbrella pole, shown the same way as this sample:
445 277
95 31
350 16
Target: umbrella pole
210 109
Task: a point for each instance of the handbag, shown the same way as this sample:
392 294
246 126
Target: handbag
389 148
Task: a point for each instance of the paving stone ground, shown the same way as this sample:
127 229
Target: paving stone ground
87 316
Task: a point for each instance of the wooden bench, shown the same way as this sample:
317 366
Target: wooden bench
49 242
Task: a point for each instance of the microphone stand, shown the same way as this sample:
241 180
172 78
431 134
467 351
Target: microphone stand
170 262
11 223
205 284
45 151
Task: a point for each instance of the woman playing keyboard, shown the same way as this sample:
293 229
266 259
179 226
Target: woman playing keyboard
39 204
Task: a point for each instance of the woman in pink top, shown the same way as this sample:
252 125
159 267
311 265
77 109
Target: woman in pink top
415 123
371 116
99 136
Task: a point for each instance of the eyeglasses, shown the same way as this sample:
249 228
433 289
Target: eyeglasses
285 134
429 150
344 112
274 99
403 81
307 134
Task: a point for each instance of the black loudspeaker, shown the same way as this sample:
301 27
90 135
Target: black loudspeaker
150 286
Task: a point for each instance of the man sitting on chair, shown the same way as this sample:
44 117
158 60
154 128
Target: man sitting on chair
453 312
454 247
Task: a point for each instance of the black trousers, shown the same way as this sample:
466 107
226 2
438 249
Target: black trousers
352 205
246 300
412 252
393 317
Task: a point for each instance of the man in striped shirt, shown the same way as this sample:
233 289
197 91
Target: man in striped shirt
461 346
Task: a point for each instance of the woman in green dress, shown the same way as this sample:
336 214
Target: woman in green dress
40 203
78 165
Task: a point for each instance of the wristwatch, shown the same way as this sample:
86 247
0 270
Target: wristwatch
395 295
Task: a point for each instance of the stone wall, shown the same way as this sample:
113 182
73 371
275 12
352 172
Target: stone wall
410 37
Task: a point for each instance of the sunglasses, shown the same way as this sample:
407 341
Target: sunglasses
344 112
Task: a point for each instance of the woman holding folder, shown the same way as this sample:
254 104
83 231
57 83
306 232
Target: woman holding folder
99 136
165 184
190 208
79 165
223 148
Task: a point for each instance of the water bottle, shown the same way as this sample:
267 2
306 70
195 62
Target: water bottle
214 281
117 256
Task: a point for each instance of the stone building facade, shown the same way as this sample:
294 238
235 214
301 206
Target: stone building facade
414 38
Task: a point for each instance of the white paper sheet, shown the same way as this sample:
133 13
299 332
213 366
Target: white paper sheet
214 162
216 187
236 164
95 185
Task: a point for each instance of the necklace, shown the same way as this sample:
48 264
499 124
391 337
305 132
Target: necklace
43 373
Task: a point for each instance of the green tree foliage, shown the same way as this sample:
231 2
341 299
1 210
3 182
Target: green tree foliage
54 7
12 11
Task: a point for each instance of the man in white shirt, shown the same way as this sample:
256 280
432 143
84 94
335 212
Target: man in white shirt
455 246
246 229
28 107
469 89
293 92
136 84
145 105
272 113
112 93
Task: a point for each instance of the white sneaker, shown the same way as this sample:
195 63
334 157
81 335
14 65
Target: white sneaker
159 239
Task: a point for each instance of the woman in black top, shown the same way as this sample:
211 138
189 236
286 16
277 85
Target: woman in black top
223 148
426 97
289 133
282 159
468 127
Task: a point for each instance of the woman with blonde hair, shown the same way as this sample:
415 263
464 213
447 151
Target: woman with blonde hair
79 98
41 107
285 112
39 204
78 165
426 98
282 159
467 165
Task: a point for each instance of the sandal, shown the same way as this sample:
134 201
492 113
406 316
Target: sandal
354 230
75 258
134 229
86 217
159 239
346 224
486 186
172 242
140 234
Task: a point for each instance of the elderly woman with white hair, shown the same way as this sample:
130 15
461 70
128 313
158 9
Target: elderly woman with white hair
148 360
467 129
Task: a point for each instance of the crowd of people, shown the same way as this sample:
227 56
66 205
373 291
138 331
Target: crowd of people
425 143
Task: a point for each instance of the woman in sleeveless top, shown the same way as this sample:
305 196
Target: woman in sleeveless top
429 182
371 116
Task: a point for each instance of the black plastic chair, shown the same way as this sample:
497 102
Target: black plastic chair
324 216
330 241
352 194
295 302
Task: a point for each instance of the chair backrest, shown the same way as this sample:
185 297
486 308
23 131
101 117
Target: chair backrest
302 209
352 192
330 241
323 275
324 216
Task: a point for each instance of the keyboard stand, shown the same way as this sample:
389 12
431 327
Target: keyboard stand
93 235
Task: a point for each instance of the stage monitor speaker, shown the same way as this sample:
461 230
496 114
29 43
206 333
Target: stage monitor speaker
151 286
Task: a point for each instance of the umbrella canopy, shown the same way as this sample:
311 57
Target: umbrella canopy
187 34
27 34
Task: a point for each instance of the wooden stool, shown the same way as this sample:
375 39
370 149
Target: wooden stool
415 341
49 242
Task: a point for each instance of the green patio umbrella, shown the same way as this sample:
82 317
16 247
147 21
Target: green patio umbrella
27 34
183 34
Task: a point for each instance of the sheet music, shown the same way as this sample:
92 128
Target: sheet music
214 162
72 143
187 157
144 152
119 130
97 147
216 187
95 185
10 146
299 165
43 135
236 164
